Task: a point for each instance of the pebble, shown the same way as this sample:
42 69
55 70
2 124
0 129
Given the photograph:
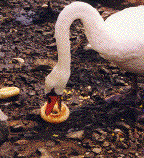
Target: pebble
121 156
8 92
98 137
32 93
89 154
97 150
44 153
7 104
110 151
105 144
44 6
117 130
21 142
17 128
19 60
76 135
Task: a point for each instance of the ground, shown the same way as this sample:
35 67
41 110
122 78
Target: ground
95 128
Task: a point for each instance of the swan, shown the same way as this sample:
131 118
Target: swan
119 39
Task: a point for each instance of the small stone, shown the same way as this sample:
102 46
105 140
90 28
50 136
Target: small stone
44 153
19 60
98 137
16 128
89 154
121 156
19 126
87 143
44 6
100 156
136 154
97 150
32 93
105 144
38 30
46 33
7 104
95 136
21 142
123 124
104 70
76 135
110 151
117 130
51 46
119 82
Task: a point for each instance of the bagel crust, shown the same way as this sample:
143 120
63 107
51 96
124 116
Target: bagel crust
8 92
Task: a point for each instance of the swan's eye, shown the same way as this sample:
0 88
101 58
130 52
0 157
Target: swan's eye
49 100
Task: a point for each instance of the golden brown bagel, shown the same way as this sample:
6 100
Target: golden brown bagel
56 116
7 92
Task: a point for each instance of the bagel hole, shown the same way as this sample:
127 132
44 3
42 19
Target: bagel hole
55 112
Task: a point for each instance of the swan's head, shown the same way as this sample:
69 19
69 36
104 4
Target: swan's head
55 83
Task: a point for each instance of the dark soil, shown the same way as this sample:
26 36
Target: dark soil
94 128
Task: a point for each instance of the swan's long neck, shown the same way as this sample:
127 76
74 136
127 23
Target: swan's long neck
94 26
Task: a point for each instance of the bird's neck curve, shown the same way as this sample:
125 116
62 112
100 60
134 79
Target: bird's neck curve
94 26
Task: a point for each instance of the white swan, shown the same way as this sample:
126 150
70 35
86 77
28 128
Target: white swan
119 39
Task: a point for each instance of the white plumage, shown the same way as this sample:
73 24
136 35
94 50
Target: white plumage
119 39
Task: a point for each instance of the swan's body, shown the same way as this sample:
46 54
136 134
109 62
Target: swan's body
119 39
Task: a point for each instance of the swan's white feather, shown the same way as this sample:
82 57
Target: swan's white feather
127 29
119 39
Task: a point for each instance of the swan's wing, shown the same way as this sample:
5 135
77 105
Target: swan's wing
127 29
127 24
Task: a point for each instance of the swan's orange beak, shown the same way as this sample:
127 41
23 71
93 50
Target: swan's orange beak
51 101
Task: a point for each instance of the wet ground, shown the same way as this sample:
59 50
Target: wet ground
95 128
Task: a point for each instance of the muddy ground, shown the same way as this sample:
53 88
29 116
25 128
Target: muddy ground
94 128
